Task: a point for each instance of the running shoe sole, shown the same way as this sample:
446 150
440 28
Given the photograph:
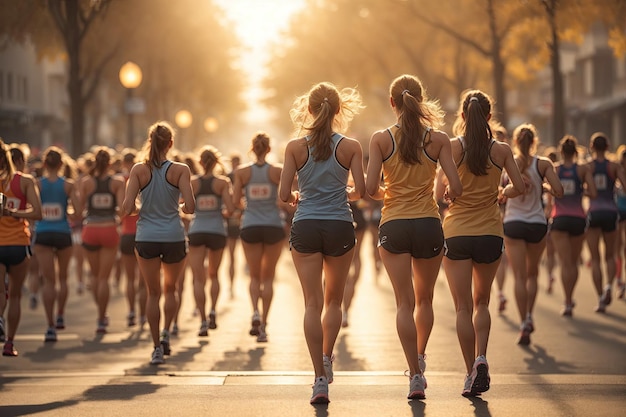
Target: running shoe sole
320 399
482 380
416 395
165 346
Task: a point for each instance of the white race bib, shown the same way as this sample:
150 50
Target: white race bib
52 211
206 202
259 191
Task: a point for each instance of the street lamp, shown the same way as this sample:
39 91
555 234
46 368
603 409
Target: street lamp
183 119
211 124
130 77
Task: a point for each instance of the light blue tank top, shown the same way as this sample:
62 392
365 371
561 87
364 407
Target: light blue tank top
53 207
322 186
159 219
208 216
261 199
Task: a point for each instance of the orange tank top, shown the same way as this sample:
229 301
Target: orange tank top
14 231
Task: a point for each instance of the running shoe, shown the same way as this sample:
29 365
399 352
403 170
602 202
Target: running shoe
524 336
130 319
567 310
174 330
9 349
60 324
102 327
212 322
2 331
204 329
422 362
502 304
33 301
417 385
256 322
51 335
467 387
262 336
165 342
320 391
157 356
622 290
143 320
601 308
606 297
328 367
481 379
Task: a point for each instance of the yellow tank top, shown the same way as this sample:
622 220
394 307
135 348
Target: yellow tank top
476 212
409 190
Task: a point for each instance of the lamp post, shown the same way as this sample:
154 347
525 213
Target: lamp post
183 119
211 124
130 77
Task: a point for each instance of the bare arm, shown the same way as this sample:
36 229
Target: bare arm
590 186
227 196
33 211
556 188
516 186
287 176
186 192
132 190
374 168
454 187
356 168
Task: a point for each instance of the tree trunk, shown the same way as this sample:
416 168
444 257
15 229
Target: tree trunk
558 101
498 68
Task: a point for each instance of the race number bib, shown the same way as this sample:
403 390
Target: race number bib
600 181
102 201
206 202
52 211
259 191
569 186
12 203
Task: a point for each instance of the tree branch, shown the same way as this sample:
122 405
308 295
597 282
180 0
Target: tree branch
95 80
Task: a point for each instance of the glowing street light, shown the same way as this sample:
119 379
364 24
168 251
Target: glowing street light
211 124
130 77
183 119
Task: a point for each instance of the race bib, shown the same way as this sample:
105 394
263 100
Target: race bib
206 202
569 186
102 201
52 211
600 181
12 203
259 191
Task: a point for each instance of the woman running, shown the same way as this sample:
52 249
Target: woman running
569 220
603 218
322 234
262 231
160 239
19 202
473 231
525 224
410 235
53 238
207 233
101 195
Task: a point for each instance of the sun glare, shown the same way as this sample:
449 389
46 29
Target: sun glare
257 23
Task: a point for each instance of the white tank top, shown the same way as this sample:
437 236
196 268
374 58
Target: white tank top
528 208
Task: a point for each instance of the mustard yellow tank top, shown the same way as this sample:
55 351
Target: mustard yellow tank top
409 190
476 212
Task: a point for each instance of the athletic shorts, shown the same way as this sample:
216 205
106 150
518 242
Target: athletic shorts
127 244
262 234
169 252
329 237
14 255
422 238
480 249
574 226
605 220
528 232
97 237
622 216
212 241
56 240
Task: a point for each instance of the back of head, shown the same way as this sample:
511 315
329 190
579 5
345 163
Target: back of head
569 146
160 138
599 142
53 160
260 145
472 123
6 163
525 140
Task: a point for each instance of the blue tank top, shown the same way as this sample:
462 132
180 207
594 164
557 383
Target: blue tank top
605 201
101 203
322 186
208 216
159 219
261 199
53 207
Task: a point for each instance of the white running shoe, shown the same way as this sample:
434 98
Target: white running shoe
51 335
256 322
328 367
417 387
320 391
262 336
204 329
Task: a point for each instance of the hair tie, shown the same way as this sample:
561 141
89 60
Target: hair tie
473 99
404 92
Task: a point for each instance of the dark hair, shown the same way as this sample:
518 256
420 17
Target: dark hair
6 163
102 162
260 144
569 146
160 135
416 113
599 142
324 103
476 106
53 160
